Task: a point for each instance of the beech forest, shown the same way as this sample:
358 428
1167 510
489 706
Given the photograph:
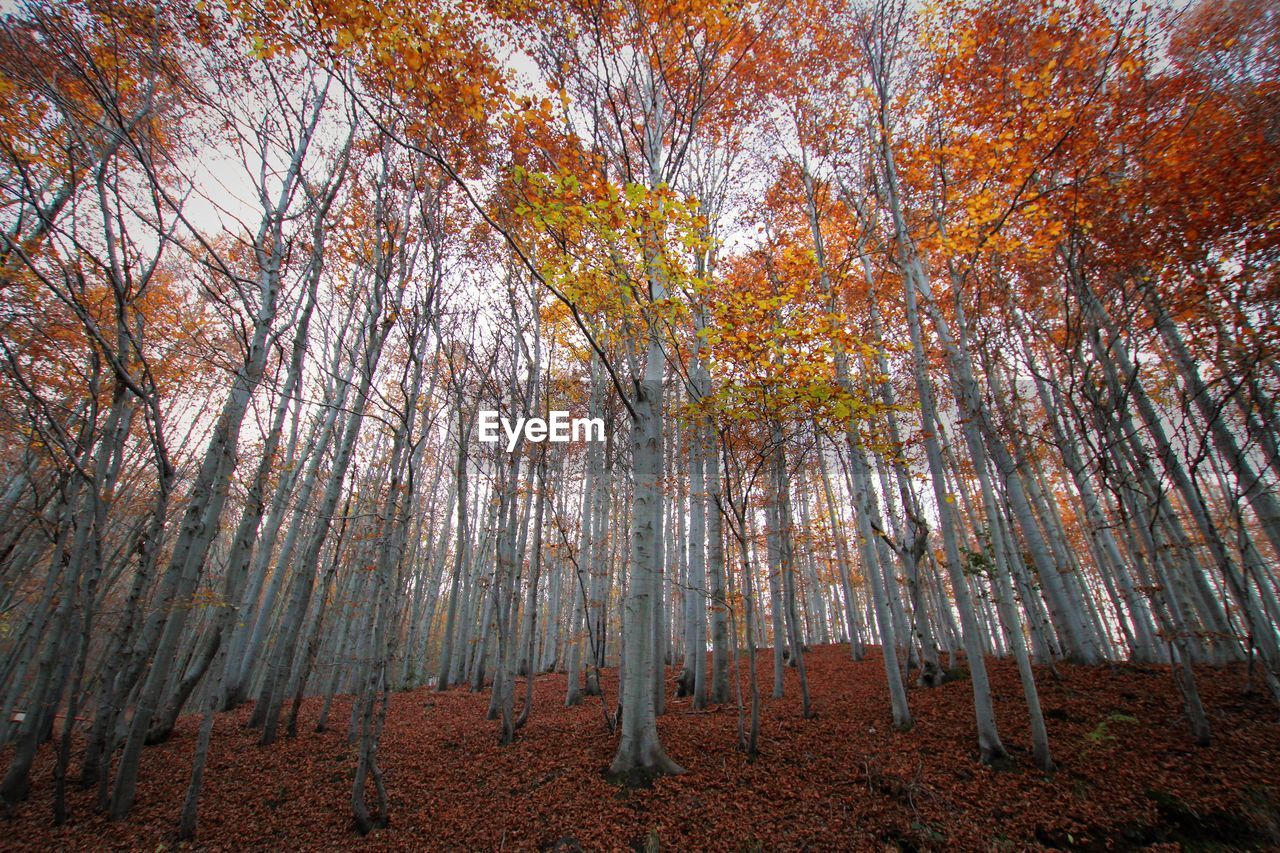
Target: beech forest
640 424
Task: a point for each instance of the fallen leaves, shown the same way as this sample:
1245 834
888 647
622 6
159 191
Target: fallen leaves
844 780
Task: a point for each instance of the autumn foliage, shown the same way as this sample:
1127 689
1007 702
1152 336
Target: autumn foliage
934 349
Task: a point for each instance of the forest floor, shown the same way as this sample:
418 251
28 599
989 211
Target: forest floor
1128 775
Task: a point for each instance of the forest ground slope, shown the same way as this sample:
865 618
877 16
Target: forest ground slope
1129 775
